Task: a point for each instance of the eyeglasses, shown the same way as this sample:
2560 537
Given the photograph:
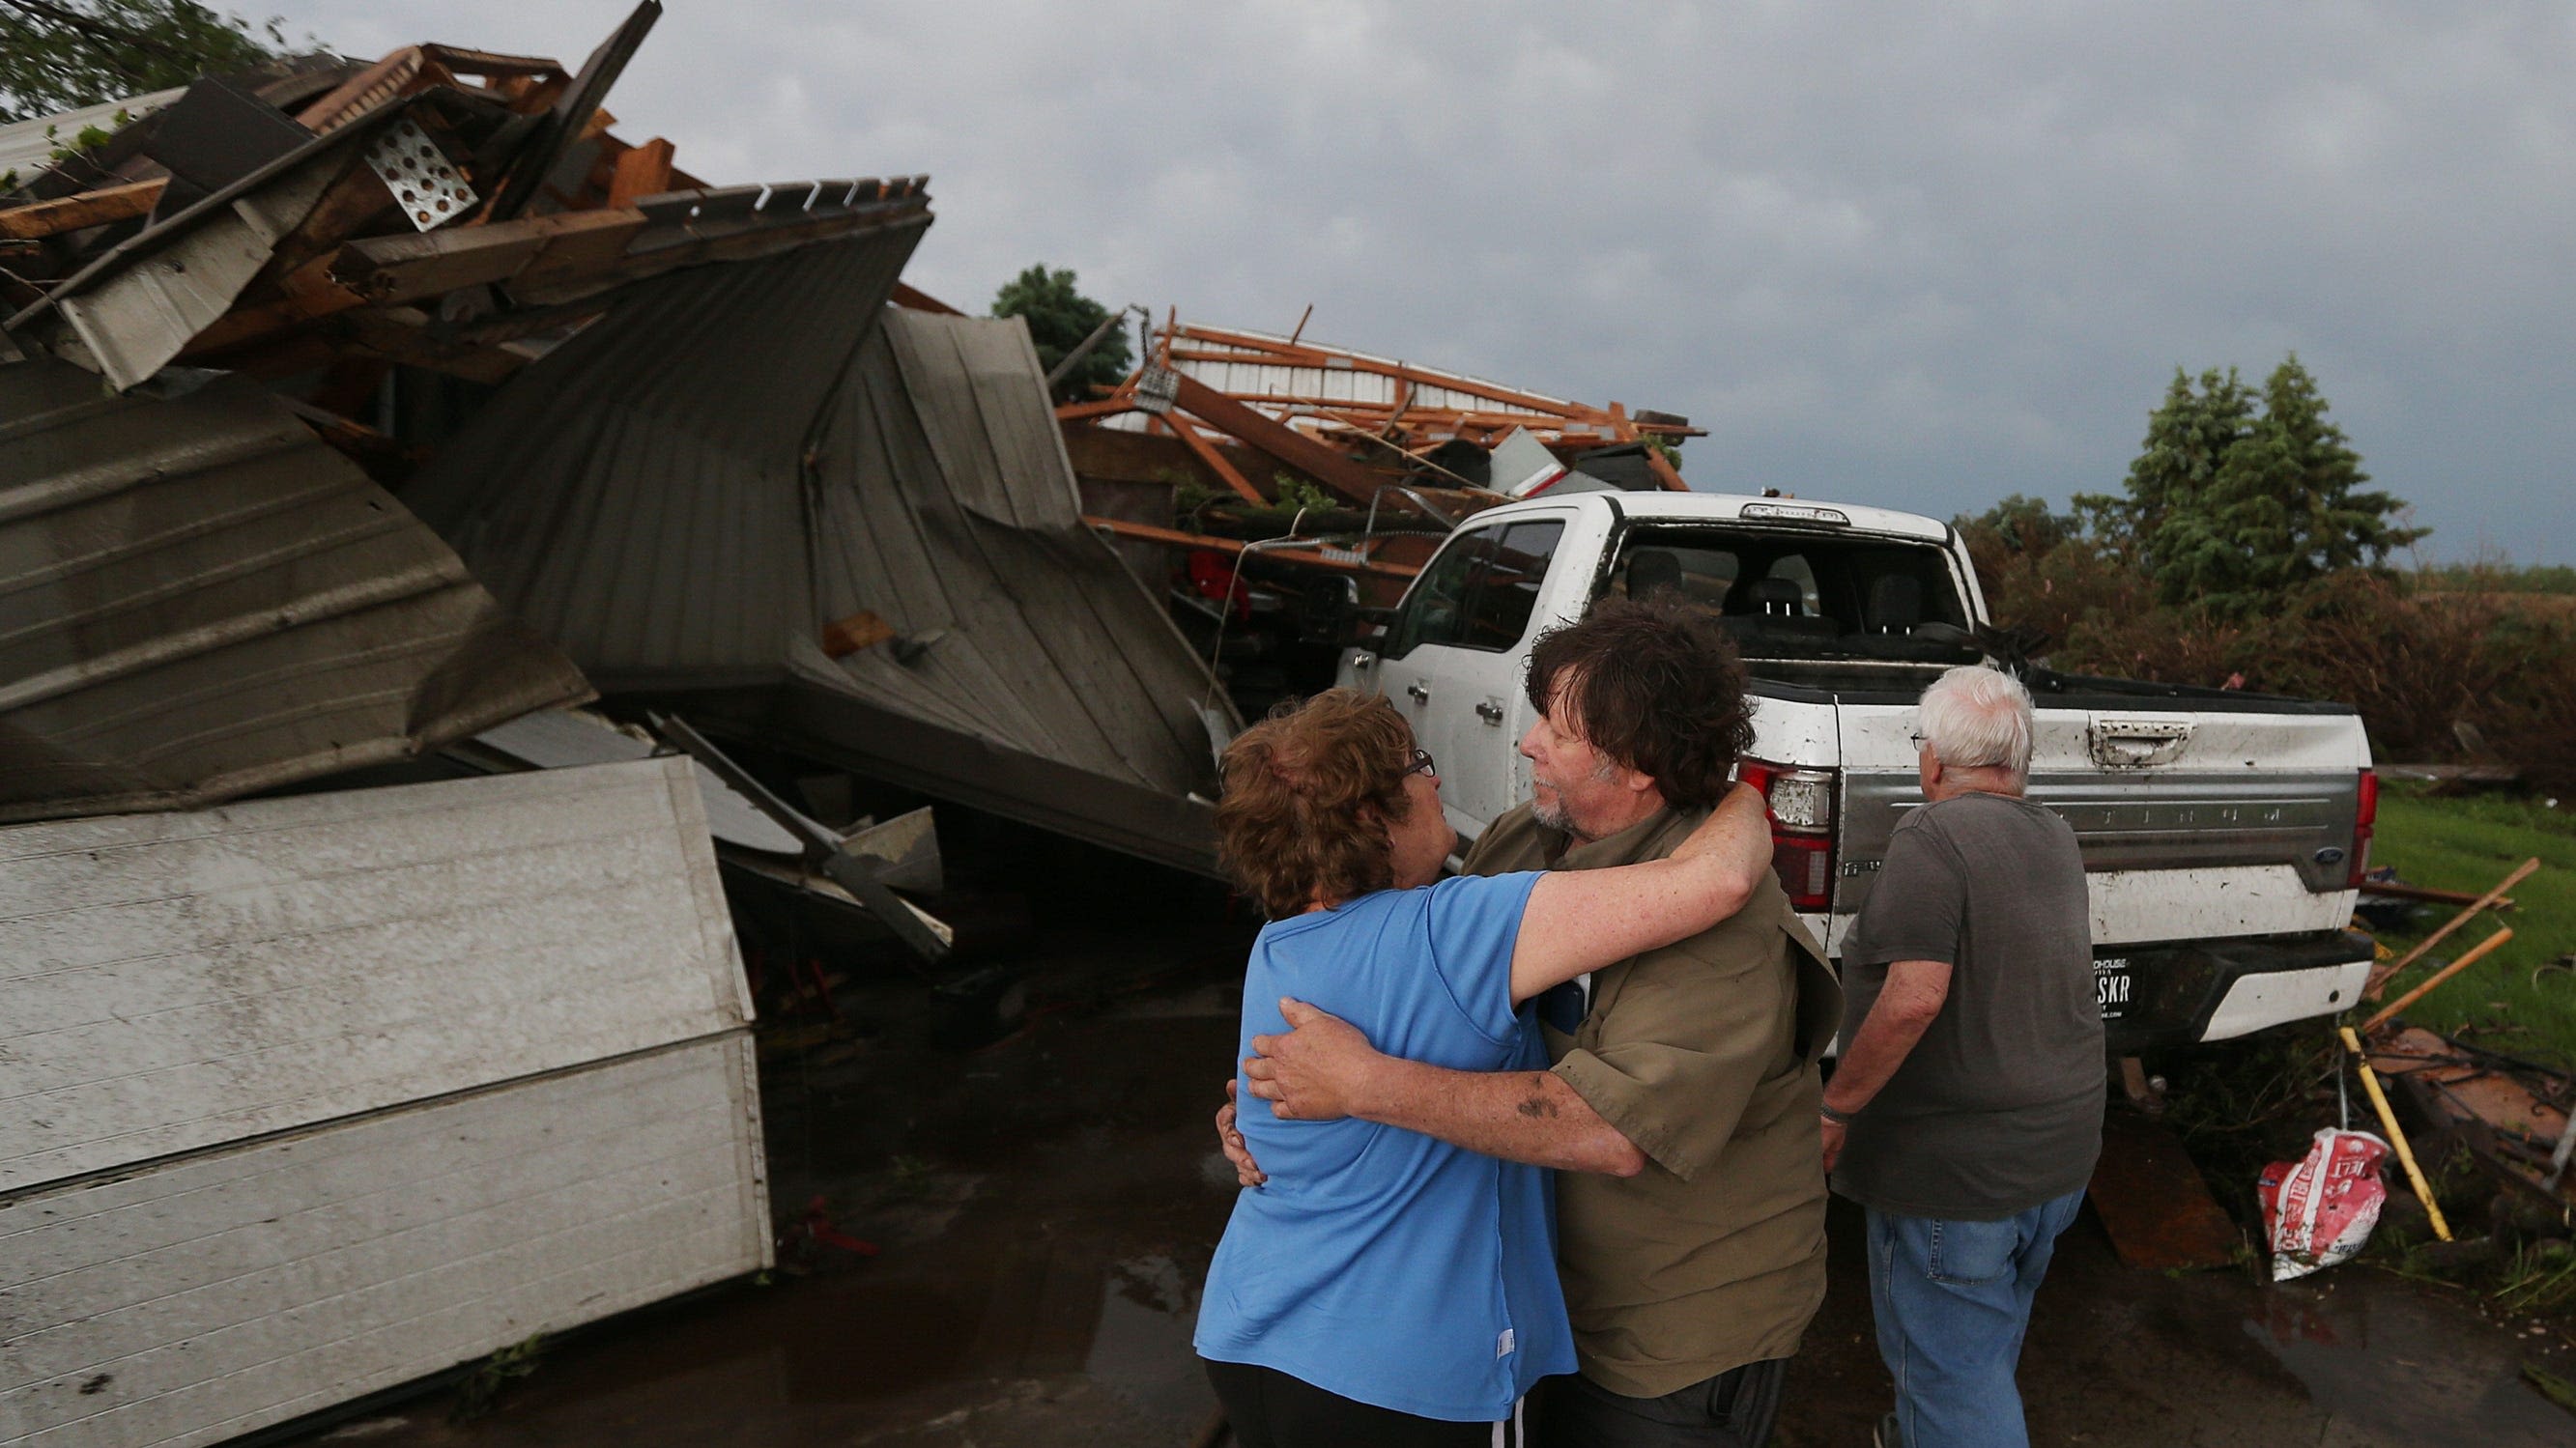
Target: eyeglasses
1918 736
1422 764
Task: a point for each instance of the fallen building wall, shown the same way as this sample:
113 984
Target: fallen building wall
843 527
198 599
312 1096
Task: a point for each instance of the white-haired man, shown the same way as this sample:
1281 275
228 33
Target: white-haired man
1966 1112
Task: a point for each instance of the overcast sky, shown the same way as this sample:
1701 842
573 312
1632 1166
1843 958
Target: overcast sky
1913 255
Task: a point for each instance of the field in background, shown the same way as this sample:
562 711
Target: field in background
2517 1000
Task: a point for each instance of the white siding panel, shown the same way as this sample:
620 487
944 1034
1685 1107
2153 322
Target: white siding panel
234 1289
170 982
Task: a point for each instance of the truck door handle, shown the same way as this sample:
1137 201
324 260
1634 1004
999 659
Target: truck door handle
1490 712
1420 694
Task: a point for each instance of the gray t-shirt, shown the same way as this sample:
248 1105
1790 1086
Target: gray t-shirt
1999 1106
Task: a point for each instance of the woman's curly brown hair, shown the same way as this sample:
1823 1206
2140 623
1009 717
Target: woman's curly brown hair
1656 687
1309 793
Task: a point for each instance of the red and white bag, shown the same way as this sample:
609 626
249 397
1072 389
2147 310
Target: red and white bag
2319 1210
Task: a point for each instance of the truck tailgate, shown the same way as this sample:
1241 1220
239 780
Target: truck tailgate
2198 818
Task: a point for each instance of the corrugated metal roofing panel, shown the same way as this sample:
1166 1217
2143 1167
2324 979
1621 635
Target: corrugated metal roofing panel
687 492
639 494
1050 646
199 599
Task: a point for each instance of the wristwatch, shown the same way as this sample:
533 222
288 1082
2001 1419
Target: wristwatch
1838 1118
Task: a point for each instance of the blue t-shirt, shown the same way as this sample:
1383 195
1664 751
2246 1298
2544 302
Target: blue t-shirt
1379 1263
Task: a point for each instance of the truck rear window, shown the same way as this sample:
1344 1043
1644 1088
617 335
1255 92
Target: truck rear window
1800 595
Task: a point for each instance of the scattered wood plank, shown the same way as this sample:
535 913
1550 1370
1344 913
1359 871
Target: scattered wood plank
72 213
2467 958
2379 977
2151 1199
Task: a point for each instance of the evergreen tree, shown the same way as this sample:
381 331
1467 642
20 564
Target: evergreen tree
2229 507
1059 318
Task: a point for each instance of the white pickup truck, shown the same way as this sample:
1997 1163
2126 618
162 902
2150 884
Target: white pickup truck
2224 833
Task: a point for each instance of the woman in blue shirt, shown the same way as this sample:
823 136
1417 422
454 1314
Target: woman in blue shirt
1385 1287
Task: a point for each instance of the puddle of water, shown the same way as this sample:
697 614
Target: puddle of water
1140 1348
2388 1362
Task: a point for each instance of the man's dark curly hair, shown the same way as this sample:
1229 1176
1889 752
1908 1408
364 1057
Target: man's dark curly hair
1657 687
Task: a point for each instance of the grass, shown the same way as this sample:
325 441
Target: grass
2511 1001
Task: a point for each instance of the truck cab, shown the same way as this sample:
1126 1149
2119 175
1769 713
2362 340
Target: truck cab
2224 833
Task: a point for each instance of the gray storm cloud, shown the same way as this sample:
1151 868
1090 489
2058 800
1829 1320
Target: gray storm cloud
1918 255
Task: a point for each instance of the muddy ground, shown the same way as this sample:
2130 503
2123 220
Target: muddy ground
1043 1206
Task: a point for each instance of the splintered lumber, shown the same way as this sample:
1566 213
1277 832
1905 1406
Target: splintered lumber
643 171
90 208
1352 480
1215 462
401 268
2467 959
2396 1136
2379 978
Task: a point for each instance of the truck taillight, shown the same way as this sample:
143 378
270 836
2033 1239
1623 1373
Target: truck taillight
1801 806
2364 818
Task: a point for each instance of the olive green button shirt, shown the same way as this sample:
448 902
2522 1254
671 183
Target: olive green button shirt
1705 1055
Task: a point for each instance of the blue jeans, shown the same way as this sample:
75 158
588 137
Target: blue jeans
1952 1300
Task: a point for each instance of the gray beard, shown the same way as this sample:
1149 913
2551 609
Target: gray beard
1553 816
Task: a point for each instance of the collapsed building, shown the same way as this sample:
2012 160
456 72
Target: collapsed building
357 421
1285 491
442 543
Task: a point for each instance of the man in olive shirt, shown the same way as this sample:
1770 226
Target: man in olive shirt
1690 1200
1966 1112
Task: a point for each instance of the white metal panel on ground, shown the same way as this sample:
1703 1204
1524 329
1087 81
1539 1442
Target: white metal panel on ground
172 982
230 1290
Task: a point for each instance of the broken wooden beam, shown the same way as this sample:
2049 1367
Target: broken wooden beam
1215 462
1304 554
1352 480
89 208
401 268
2467 958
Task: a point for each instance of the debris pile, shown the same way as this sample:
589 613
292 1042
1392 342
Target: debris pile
1285 491
358 408
359 423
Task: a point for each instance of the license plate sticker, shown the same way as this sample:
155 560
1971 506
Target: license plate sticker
2112 984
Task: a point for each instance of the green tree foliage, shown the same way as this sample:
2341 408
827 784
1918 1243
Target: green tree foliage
60 55
2240 495
1059 318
